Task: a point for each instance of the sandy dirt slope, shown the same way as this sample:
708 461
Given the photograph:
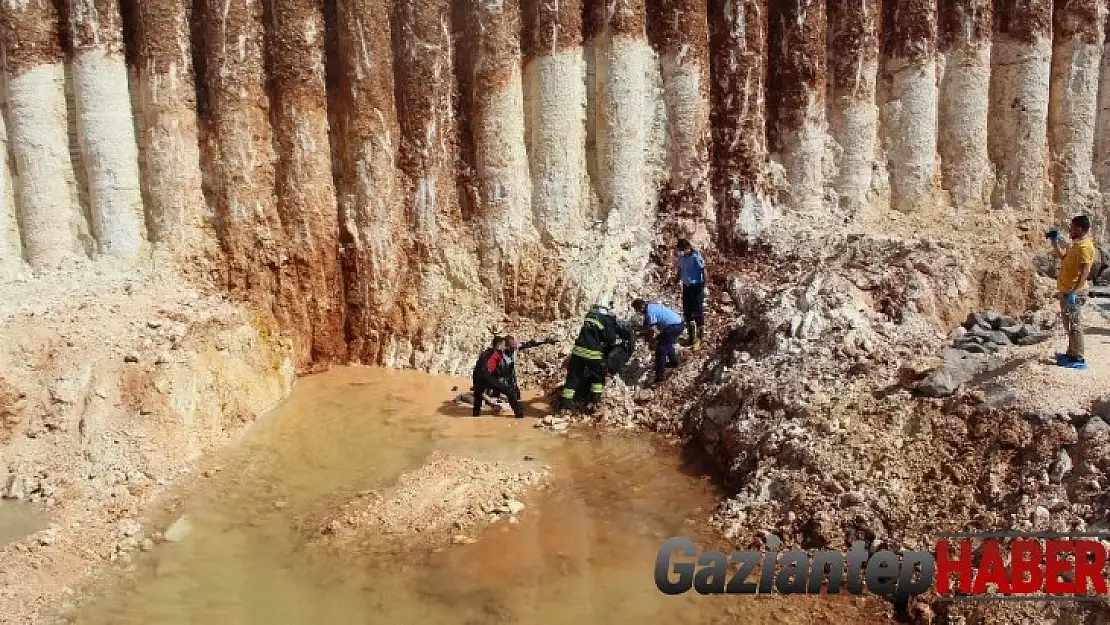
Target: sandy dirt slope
113 381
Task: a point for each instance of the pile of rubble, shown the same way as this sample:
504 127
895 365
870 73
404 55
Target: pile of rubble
803 406
817 484
989 332
429 506
799 329
977 341
807 410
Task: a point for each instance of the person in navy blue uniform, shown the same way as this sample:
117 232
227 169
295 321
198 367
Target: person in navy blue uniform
691 273
669 325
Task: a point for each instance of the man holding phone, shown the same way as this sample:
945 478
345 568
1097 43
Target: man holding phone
1072 285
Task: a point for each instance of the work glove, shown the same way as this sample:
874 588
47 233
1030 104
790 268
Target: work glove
1070 300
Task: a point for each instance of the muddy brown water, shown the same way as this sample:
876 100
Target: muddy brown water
582 552
18 520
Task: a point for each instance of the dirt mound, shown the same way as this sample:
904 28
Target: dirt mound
113 381
806 408
442 500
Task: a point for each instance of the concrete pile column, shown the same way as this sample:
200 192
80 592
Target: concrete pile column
11 249
1101 217
50 219
679 31
738 52
106 125
555 89
372 225
425 87
167 120
1021 61
854 27
965 43
1073 106
909 108
239 147
796 92
424 84
305 188
624 109
496 111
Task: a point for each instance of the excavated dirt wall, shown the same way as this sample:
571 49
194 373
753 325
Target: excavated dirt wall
236 134
11 248
555 102
306 200
168 135
50 221
350 165
555 106
385 182
1102 138
366 134
678 31
105 124
495 102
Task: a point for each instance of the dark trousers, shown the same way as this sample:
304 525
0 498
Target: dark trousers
482 383
693 309
584 377
664 350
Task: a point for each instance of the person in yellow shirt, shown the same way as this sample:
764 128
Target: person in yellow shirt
1072 284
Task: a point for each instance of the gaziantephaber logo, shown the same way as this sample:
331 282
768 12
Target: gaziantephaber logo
1001 566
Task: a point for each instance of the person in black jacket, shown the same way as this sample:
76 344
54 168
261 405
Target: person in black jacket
620 353
587 358
507 373
487 369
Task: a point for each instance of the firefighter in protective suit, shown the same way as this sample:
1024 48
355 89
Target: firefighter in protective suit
587 368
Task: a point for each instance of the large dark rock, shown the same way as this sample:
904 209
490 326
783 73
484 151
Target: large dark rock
976 320
1093 428
1002 321
1032 336
998 395
958 369
990 336
978 348
1101 407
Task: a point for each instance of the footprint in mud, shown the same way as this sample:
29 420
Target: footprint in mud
494 612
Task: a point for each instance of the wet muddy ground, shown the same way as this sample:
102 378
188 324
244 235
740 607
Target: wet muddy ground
18 519
582 551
